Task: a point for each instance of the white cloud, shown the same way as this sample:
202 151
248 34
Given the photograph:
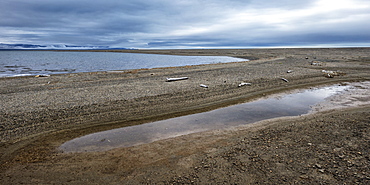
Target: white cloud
165 23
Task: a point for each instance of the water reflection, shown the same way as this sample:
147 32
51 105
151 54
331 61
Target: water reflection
285 105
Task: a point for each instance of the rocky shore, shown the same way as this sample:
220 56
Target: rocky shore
40 113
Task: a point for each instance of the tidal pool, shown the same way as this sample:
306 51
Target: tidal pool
294 104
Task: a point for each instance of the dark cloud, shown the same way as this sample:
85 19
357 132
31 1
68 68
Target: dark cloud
185 23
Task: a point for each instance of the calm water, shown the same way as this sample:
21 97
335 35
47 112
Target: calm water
23 63
236 115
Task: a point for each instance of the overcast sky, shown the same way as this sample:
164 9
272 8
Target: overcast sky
186 23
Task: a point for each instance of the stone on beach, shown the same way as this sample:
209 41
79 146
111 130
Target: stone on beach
285 80
244 84
176 79
204 86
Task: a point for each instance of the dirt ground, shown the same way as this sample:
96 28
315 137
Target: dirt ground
327 147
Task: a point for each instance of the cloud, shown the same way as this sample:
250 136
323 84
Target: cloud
185 23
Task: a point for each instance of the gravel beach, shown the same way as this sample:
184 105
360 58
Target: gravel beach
38 114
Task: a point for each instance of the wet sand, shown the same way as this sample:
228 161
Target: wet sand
39 114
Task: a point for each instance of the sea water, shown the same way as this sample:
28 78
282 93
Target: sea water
26 63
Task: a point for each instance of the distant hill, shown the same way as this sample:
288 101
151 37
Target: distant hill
52 47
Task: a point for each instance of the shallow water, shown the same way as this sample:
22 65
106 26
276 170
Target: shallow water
25 63
278 106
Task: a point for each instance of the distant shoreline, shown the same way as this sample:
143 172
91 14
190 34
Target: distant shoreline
164 49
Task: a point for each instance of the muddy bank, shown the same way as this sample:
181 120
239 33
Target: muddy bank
41 113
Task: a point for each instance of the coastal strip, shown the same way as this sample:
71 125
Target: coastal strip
38 114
